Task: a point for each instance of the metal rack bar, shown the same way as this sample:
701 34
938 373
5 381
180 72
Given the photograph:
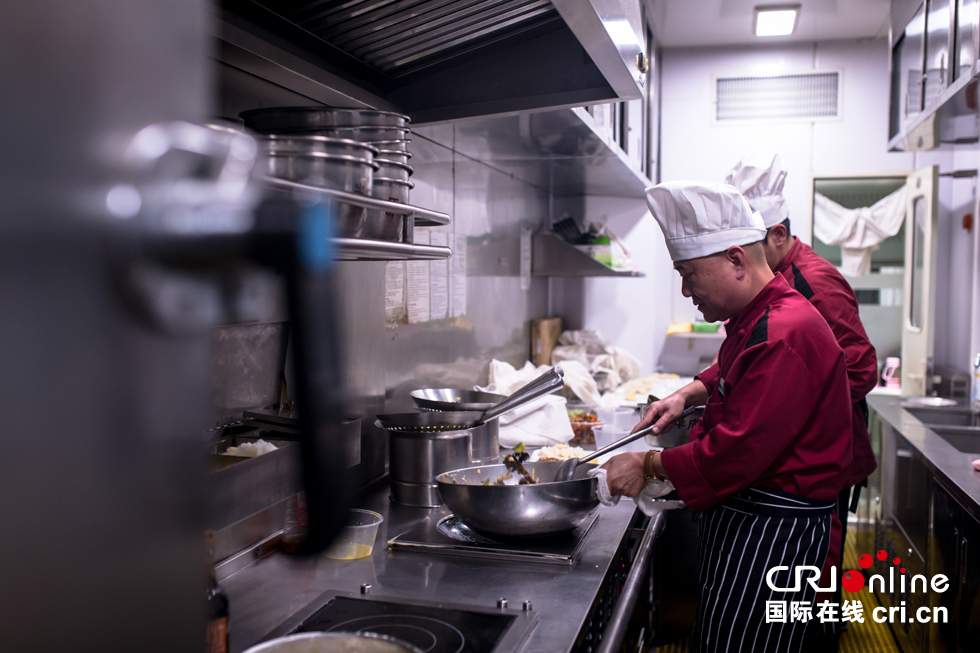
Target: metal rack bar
423 217
356 249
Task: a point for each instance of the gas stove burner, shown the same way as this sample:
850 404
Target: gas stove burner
452 527
423 632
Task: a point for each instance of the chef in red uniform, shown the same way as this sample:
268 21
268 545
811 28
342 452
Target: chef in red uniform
763 466
760 179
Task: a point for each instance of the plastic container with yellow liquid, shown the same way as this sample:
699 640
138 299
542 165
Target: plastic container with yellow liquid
357 538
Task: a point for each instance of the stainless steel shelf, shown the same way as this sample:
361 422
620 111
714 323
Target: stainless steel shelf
949 120
553 257
355 249
561 151
423 217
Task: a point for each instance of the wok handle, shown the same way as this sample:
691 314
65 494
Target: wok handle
553 379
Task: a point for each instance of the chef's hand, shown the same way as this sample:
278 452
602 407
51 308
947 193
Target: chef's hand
624 474
662 414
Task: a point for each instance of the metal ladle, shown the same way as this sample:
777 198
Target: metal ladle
567 469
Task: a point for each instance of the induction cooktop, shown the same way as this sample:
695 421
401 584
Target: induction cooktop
431 627
442 532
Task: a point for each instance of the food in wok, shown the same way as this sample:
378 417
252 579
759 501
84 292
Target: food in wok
513 509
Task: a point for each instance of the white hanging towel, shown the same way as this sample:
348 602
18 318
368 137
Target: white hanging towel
858 231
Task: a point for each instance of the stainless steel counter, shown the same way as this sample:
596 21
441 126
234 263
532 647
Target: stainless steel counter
942 458
274 588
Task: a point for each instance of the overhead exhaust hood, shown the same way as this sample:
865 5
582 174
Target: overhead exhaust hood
440 60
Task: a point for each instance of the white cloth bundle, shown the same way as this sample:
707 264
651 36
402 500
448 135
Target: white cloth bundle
647 500
858 231
542 422
597 355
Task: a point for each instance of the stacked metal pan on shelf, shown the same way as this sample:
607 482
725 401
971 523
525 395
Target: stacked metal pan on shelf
361 151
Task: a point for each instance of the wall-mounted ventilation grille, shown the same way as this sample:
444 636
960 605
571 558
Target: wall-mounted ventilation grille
779 97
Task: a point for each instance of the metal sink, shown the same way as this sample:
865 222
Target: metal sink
964 438
945 415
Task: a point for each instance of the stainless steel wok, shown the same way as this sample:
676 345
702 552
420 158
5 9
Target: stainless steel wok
545 508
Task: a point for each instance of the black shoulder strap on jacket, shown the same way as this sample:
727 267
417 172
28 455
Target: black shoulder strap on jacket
800 283
760 332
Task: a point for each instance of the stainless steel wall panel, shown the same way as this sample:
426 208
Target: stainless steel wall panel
361 298
248 360
489 208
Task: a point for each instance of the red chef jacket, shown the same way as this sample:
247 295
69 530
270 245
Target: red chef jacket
778 413
819 281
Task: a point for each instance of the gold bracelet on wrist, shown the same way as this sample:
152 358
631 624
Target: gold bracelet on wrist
648 471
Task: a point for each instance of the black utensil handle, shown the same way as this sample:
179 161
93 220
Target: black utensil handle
295 239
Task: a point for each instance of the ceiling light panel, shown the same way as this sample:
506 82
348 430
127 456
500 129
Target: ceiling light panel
776 21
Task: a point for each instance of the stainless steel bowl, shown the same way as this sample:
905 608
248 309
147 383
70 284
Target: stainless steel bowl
385 225
395 190
290 119
335 643
398 145
341 164
368 134
394 170
399 156
312 144
545 508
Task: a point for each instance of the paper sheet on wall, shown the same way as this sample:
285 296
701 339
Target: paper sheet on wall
394 292
438 279
525 259
458 277
417 284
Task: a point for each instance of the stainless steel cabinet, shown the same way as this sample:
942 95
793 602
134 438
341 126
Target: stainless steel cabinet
967 13
937 47
944 553
939 23
907 53
955 553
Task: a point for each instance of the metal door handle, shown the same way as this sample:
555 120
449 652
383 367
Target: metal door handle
964 548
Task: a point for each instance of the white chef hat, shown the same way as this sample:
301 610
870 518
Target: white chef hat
760 179
700 218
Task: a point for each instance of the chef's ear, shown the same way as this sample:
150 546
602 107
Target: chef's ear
738 257
779 234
